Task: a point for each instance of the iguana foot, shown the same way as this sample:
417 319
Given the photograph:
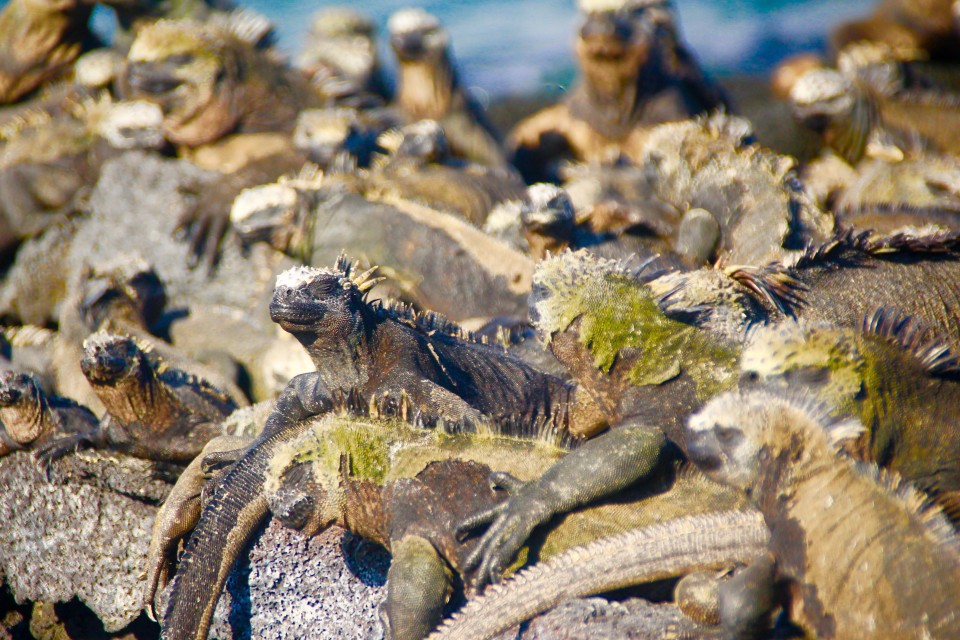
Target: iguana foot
511 523
47 453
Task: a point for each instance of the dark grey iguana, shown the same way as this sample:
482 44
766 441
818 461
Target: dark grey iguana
152 412
425 367
406 488
897 378
428 87
866 556
434 259
29 418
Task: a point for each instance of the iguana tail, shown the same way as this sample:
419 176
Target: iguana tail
237 508
642 555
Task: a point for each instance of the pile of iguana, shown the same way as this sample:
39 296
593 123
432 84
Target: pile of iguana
849 542
407 488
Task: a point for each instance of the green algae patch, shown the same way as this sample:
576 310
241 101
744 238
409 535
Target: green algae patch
620 320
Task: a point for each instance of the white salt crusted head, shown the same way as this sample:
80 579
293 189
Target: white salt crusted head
410 20
255 199
135 124
550 201
601 6
822 87
300 275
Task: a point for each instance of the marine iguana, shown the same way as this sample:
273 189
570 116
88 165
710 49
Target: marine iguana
152 412
854 545
899 379
428 87
636 73
653 349
929 26
425 254
840 533
421 364
39 40
339 56
29 418
406 487
228 104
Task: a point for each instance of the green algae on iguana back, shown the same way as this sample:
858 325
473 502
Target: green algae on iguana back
620 318
892 373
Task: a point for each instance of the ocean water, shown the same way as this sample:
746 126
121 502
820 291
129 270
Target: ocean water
525 46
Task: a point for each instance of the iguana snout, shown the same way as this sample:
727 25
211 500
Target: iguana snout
14 386
415 35
107 358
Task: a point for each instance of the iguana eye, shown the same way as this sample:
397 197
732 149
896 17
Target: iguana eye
727 436
180 59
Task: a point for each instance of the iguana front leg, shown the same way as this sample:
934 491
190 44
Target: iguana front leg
418 587
305 396
599 468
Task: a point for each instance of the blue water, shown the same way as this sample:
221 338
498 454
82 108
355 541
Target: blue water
524 46
506 46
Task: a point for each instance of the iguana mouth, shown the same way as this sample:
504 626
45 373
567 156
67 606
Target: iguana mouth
9 396
284 315
102 367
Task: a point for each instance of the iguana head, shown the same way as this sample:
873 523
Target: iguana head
193 72
340 55
734 435
125 287
424 141
322 307
547 219
324 133
109 359
836 108
825 360
417 36
21 402
615 40
271 213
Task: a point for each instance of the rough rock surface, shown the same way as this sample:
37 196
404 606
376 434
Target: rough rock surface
329 586
135 207
59 541
589 618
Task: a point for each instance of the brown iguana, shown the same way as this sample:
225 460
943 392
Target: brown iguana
897 378
636 73
152 412
339 56
406 487
652 350
853 546
428 87
865 556
29 418
431 258
228 104
38 40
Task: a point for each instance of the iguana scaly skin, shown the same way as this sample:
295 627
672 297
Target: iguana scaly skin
423 366
854 546
428 86
425 254
38 40
636 73
154 413
419 167
640 555
839 282
29 418
210 81
406 488
340 57
897 378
